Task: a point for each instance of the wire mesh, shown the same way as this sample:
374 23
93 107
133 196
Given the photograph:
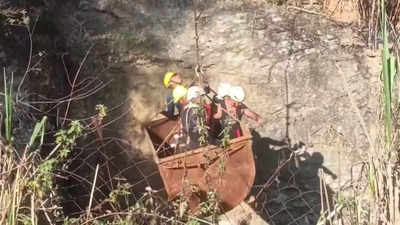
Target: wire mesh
118 163
292 196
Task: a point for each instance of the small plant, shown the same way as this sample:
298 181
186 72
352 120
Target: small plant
121 192
42 183
66 139
38 131
26 181
71 221
181 204
97 121
211 207
101 110
226 133
193 222
389 72
201 125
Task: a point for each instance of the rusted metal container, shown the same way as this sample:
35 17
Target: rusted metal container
230 172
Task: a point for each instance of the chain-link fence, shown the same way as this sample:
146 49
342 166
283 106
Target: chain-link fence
118 163
292 193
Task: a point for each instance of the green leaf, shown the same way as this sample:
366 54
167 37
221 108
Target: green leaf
393 73
387 77
101 110
39 128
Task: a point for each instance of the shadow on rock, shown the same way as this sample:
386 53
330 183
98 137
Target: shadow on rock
120 170
288 182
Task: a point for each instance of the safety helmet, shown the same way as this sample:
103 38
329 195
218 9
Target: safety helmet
167 78
223 90
194 92
179 92
237 93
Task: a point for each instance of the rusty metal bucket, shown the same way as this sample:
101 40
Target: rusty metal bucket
230 172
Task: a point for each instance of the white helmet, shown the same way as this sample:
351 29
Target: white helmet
237 93
223 90
194 92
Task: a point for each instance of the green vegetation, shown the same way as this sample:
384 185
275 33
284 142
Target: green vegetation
389 73
379 202
29 194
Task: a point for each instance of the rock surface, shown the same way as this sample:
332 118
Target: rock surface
242 214
300 72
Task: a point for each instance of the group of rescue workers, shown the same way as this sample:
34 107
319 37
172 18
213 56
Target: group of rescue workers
203 119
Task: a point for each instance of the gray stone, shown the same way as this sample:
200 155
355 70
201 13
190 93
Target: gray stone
330 37
241 214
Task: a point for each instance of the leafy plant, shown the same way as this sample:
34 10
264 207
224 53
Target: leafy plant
226 133
23 186
211 207
122 190
43 182
201 125
208 209
101 110
38 130
66 139
389 72
193 222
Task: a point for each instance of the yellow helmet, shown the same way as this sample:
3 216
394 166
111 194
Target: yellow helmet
178 93
167 78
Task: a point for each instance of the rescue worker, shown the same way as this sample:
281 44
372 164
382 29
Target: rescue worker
237 95
218 123
222 91
193 119
171 81
232 103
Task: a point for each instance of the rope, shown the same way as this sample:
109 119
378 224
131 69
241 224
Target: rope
199 67
196 33
196 17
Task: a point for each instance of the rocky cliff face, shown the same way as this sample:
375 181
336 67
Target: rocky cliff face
301 73
297 69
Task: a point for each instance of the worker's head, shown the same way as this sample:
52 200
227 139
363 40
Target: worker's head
194 94
179 94
171 80
236 94
223 90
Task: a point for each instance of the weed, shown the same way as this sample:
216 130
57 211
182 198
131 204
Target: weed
389 72
67 138
121 192
226 133
381 176
101 110
38 131
201 125
193 222
211 207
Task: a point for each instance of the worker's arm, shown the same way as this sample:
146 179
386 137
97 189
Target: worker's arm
252 115
170 106
218 114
